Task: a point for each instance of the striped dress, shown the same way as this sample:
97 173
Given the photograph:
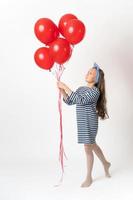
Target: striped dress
85 99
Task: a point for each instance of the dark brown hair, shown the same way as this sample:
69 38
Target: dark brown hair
102 101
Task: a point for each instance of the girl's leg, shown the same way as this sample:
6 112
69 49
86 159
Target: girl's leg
90 159
102 158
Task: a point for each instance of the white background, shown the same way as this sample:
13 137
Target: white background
29 117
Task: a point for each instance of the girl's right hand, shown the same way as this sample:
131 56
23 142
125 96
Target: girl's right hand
62 90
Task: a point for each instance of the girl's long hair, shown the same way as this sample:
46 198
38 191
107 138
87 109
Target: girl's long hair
102 101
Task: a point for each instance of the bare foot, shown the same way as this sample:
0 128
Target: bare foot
106 169
87 182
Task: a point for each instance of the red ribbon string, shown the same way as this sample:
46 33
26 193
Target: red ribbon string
59 72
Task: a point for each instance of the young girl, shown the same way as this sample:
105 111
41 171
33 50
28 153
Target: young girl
90 103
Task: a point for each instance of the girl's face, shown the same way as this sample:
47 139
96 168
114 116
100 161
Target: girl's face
91 75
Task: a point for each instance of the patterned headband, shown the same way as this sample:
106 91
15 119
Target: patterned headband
97 72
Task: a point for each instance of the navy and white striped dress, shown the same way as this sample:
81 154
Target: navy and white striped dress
85 99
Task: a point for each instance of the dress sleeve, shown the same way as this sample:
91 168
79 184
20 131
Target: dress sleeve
83 97
68 101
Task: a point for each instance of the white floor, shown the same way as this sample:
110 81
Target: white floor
26 179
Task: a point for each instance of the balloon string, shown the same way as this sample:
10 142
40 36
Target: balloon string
59 71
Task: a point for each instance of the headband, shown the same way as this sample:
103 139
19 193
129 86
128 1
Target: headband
97 71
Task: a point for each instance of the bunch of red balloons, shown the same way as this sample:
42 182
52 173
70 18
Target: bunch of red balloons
57 49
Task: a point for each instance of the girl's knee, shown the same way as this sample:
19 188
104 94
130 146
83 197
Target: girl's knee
88 148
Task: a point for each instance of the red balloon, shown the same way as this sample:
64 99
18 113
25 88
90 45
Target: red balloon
60 50
43 59
63 22
45 30
74 31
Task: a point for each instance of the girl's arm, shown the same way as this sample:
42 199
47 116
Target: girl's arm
66 97
64 88
84 97
63 93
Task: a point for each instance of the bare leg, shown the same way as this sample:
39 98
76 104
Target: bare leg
102 158
90 160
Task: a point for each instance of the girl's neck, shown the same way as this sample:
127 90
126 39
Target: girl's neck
90 85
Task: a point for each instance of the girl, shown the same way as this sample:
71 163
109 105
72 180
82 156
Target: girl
90 103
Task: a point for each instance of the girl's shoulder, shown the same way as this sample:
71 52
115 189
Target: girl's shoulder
81 88
86 88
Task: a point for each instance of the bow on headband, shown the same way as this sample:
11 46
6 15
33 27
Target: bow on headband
97 72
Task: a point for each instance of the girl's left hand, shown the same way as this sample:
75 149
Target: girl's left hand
61 85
